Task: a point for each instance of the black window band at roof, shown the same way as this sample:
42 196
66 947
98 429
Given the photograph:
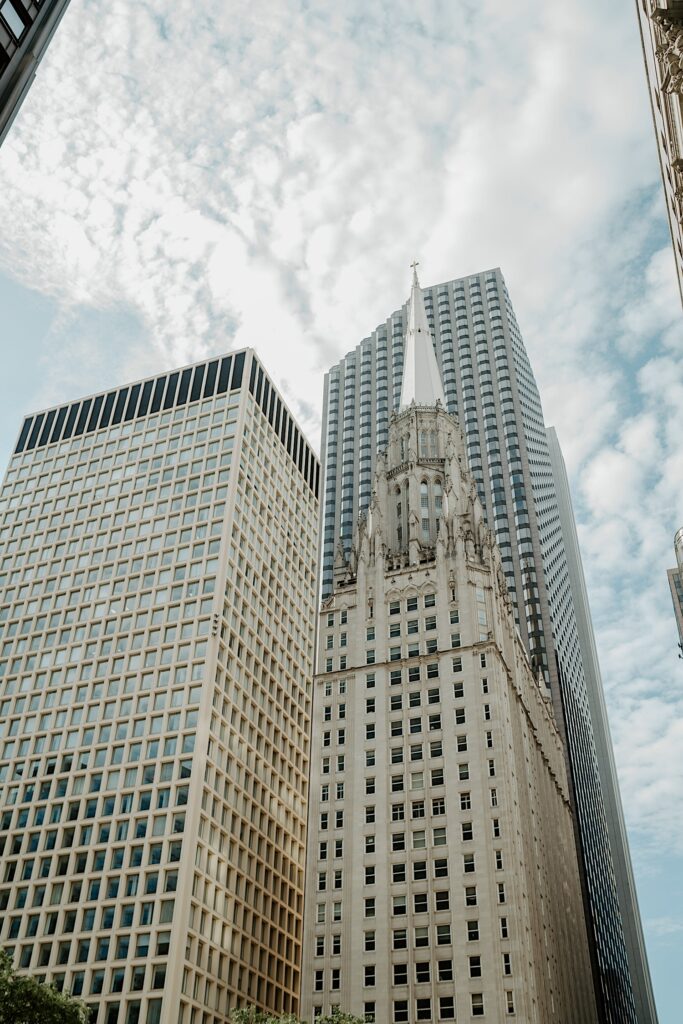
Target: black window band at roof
98 412
138 400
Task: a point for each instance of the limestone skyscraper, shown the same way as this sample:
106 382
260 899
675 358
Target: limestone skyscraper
489 385
443 880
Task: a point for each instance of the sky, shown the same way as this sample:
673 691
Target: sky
188 178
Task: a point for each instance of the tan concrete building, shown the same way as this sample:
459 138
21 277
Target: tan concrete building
442 875
157 596
661 30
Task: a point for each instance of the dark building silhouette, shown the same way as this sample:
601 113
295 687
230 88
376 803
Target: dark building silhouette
26 28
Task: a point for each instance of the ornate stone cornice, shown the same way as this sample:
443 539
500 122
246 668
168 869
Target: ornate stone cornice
669 52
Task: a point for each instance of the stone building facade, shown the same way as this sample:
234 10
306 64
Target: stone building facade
442 874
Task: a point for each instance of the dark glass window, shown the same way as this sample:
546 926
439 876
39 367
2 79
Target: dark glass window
197 380
106 412
237 372
24 434
70 420
82 417
132 402
37 424
61 416
95 413
45 433
184 388
144 399
210 381
158 392
224 375
120 403
171 390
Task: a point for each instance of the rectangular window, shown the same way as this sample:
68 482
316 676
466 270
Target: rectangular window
400 1011
419 870
472 931
443 935
424 1009
441 867
400 973
442 899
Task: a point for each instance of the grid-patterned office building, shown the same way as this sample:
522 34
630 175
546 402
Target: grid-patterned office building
157 597
26 28
489 385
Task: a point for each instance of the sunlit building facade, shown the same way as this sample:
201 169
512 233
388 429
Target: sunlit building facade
157 596
443 879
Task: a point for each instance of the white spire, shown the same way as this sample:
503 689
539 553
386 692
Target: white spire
421 377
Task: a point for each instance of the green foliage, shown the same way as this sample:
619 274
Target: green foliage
25 1001
250 1015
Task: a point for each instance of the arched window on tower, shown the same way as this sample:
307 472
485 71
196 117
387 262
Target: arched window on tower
432 444
423 444
438 503
399 525
424 509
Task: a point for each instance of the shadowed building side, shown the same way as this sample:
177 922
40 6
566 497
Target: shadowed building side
26 28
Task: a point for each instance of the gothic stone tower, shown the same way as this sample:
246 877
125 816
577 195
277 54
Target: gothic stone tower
442 872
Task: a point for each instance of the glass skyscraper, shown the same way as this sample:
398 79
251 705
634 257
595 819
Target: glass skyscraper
157 603
489 385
